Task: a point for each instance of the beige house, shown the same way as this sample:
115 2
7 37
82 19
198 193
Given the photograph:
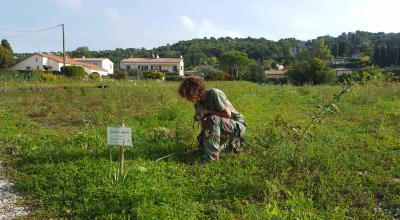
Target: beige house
104 63
173 66
276 74
50 62
357 56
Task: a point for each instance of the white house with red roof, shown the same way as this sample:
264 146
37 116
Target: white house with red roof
104 63
171 66
50 62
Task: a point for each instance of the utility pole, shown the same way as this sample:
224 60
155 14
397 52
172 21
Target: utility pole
63 34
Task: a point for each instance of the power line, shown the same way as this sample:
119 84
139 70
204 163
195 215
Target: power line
41 30
30 32
13 30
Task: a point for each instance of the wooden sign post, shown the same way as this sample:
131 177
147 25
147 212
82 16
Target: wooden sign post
120 136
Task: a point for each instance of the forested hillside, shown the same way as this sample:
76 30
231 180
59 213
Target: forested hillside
207 50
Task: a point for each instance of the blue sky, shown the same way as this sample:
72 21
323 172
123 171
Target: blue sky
110 24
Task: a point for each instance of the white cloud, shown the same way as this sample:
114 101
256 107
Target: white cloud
113 14
206 29
187 23
76 4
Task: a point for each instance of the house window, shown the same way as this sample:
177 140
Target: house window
28 68
175 68
37 59
110 66
128 67
144 67
181 67
37 67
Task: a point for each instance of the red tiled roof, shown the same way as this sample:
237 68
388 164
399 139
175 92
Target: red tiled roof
155 60
69 61
89 59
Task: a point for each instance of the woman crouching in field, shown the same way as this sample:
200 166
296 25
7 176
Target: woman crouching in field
221 125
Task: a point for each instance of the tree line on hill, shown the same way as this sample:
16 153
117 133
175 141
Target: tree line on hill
248 58
207 51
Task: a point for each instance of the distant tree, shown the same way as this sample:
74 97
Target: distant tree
268 64
255 73
321 50
344 48
212 60
82 52
6 44
236 61
310 69
195 57
6 56
210 72
377 56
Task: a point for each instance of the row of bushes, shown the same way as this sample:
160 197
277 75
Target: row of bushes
209 73
137 74
371 74
75 72
69 72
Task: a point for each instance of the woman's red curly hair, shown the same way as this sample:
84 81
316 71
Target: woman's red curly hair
192 88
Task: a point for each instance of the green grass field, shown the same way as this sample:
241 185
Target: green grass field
54 142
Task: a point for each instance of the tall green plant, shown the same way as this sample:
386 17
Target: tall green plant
75 72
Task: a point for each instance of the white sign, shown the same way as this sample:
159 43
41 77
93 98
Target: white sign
119 136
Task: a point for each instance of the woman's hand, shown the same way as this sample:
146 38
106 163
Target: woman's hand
226 113
204 112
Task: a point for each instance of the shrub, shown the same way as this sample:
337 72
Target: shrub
391 76
153 74
106 77
311 70
135 74
94 76
229 76
268 64
119 75
174 78
76 72
211 73
366 74
218 75
254 73
48 76
28 75
6 75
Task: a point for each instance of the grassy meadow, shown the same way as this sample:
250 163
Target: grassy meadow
54 143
